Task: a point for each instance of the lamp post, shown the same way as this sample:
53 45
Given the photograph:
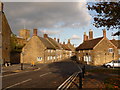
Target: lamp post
22 60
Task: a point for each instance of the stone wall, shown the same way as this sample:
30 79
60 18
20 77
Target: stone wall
101 53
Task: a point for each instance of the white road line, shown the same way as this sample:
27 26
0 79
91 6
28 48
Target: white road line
37 69
18 83
14 74
19 73
45 74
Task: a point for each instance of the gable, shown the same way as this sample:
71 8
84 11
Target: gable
105 43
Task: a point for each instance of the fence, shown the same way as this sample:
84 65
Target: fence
71 80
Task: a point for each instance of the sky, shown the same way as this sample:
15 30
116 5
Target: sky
64 20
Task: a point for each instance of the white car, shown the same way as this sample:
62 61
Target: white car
114 63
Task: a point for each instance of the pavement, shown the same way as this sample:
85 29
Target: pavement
15 68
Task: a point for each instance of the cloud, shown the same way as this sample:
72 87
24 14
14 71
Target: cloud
46 15
51 32
75 37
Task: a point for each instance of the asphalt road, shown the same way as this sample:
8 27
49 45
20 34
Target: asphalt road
49 76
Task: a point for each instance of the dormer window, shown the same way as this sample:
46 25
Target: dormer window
110 50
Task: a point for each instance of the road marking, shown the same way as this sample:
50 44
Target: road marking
19 73
14 74
37 69
45 74
18 83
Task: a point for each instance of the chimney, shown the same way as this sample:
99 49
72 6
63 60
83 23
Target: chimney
45 35
68 40
90 34
63 42
1 6
104 33
85 37
55 39
34 32
58 40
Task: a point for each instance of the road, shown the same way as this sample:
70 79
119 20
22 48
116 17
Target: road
49 76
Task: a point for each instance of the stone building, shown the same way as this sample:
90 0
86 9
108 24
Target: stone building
24 33
5 32
96 51
56 44
71 47
117 44
39 50
67 52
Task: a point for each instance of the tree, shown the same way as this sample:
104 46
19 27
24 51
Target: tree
108 14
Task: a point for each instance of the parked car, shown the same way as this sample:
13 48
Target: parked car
114 63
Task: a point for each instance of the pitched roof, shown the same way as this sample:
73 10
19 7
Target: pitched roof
65 47
54 43
89 44
47 43
116 43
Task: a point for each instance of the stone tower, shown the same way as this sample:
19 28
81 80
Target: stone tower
24 33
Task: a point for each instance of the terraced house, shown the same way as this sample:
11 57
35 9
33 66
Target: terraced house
96 51
117 44
42 50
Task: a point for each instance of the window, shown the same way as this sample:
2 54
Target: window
118 51
48 58
110 50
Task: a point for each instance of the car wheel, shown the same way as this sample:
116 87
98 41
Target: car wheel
108 66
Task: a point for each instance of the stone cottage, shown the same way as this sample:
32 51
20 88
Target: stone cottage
5 32
71 47
38 50
96 51
117 44
67 52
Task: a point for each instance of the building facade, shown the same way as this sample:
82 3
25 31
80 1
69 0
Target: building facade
5 32
96 51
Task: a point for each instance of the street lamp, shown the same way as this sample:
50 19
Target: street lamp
22 60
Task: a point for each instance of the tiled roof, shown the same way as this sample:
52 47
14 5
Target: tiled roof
116 43
54 43
65 47
89 44
47 43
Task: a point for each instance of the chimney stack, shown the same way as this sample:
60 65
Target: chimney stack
85 37
68 40
90 34
1 6
58 40
34 32
45 35
55 39
104 33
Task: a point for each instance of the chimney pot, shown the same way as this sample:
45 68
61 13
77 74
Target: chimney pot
85 37
45 35
58 40
55 39
104 33
90 34
34 32
68 40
